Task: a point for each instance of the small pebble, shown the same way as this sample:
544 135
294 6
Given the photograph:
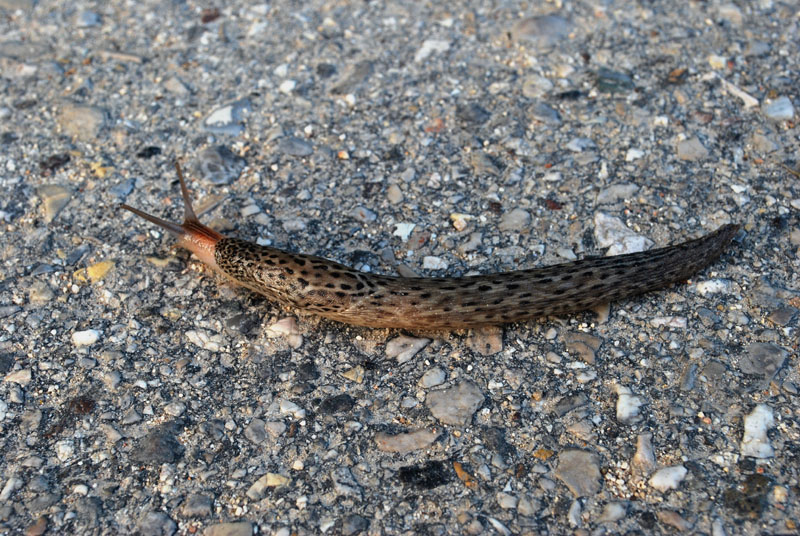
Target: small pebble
455 405
431 46
755 442
691 150
197 505
610 232
763 359
668 478
236 528
628 405
82 122
64 449
85 338
403 230
515 220
613 511
616 193
404 348
295 146
430 262
542 32
363 214
579 470
713 286
54 198
780 109
432 378
228 119
219 165
407 442
578 145
157 524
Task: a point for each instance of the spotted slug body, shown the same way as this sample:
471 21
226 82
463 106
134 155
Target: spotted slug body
332 290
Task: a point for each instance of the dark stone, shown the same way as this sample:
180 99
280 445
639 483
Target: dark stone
326 70
149 152
613 81
354 524
750 498
157 447
472 113
197 505
337 404
156 524
647 520
568 403
52 163
306 372
6 362
426 476
495 439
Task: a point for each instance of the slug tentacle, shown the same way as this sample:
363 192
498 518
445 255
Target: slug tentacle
332 290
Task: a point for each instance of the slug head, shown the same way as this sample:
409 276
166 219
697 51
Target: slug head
192 234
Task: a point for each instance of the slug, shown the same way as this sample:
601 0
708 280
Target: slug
329 289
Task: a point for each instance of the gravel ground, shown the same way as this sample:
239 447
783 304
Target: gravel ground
143 394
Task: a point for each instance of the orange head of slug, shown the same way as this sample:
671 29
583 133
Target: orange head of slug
192 234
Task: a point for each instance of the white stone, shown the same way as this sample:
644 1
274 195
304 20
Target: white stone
429 47
755 442
633 154
429 262
668 478
86 337
713 286
612 233
403 230
64 449
628 405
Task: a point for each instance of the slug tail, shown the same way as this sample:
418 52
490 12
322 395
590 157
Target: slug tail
192 235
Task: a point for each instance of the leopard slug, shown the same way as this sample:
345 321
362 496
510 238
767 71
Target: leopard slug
329 289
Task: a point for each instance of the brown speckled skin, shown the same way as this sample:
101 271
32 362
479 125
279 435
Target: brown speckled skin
319 286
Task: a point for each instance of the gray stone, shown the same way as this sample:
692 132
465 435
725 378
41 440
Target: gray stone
197 505
432 378
80 121
543 31
256 431
157 524
238 528
295 146
578 145
691 149
545 113
763 359
616 193
780 109
579 470
219 165
408 442
515 220
404 348
54 198
354 524
229 118
455 405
